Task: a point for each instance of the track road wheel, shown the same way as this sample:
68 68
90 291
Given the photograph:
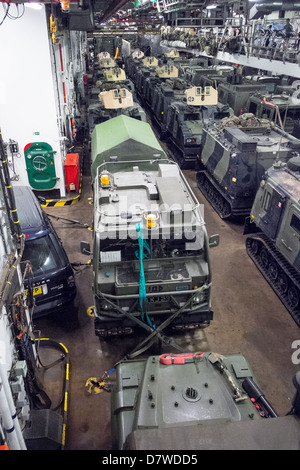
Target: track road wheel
264 257
254 247
273 270
282 283
293 296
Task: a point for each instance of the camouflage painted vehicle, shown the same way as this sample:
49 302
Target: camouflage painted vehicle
142 73
275 226
132 62
103 55
173 54
130 67
236 91
109 74
185 65
106 63
162 96
185 121
150 61
112 103
105 86
151 250
234 157
283 109
148 79
196 75
197 401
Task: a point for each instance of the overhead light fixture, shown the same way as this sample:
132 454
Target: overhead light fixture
34 6
211 7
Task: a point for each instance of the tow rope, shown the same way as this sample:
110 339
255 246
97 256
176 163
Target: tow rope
142 285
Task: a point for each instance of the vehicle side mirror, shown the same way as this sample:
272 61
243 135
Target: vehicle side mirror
42 200
85 248
213 240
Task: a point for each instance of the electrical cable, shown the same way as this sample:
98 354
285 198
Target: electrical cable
11 17
6 13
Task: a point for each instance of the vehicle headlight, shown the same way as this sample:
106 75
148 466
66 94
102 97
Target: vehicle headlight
105 305
198 299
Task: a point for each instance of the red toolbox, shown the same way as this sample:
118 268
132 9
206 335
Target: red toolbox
72 172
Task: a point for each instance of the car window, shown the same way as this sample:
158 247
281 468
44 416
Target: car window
42 255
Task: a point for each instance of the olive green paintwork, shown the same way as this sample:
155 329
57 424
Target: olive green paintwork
280 190
200 403
125 138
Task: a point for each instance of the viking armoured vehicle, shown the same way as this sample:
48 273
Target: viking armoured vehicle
162 96
151 250
234 157
283 109
106 63
132 62
236 91
109 74
196 75
185 121
112 103
147 79
275 223
197 401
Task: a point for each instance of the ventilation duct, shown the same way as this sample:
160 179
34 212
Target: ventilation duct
259 10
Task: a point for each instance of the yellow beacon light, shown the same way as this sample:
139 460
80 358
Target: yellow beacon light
151 220
104 180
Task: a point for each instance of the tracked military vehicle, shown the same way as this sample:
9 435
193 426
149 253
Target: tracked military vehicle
283 109
172 54
145 68
103 55
112 103
106 86
196 75
185 121
197 401
101 67
236 92
163 94
105 75
275 223
151 250
150 61
132 62
234 157
106 62
185 65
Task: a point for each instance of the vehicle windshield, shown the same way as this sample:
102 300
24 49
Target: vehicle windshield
42 255
192 117
128 250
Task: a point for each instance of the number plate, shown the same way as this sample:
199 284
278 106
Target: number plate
39 290
160 298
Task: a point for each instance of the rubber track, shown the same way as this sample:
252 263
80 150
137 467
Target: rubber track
207 196
275 255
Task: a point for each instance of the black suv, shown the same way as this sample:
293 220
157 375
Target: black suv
52 275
